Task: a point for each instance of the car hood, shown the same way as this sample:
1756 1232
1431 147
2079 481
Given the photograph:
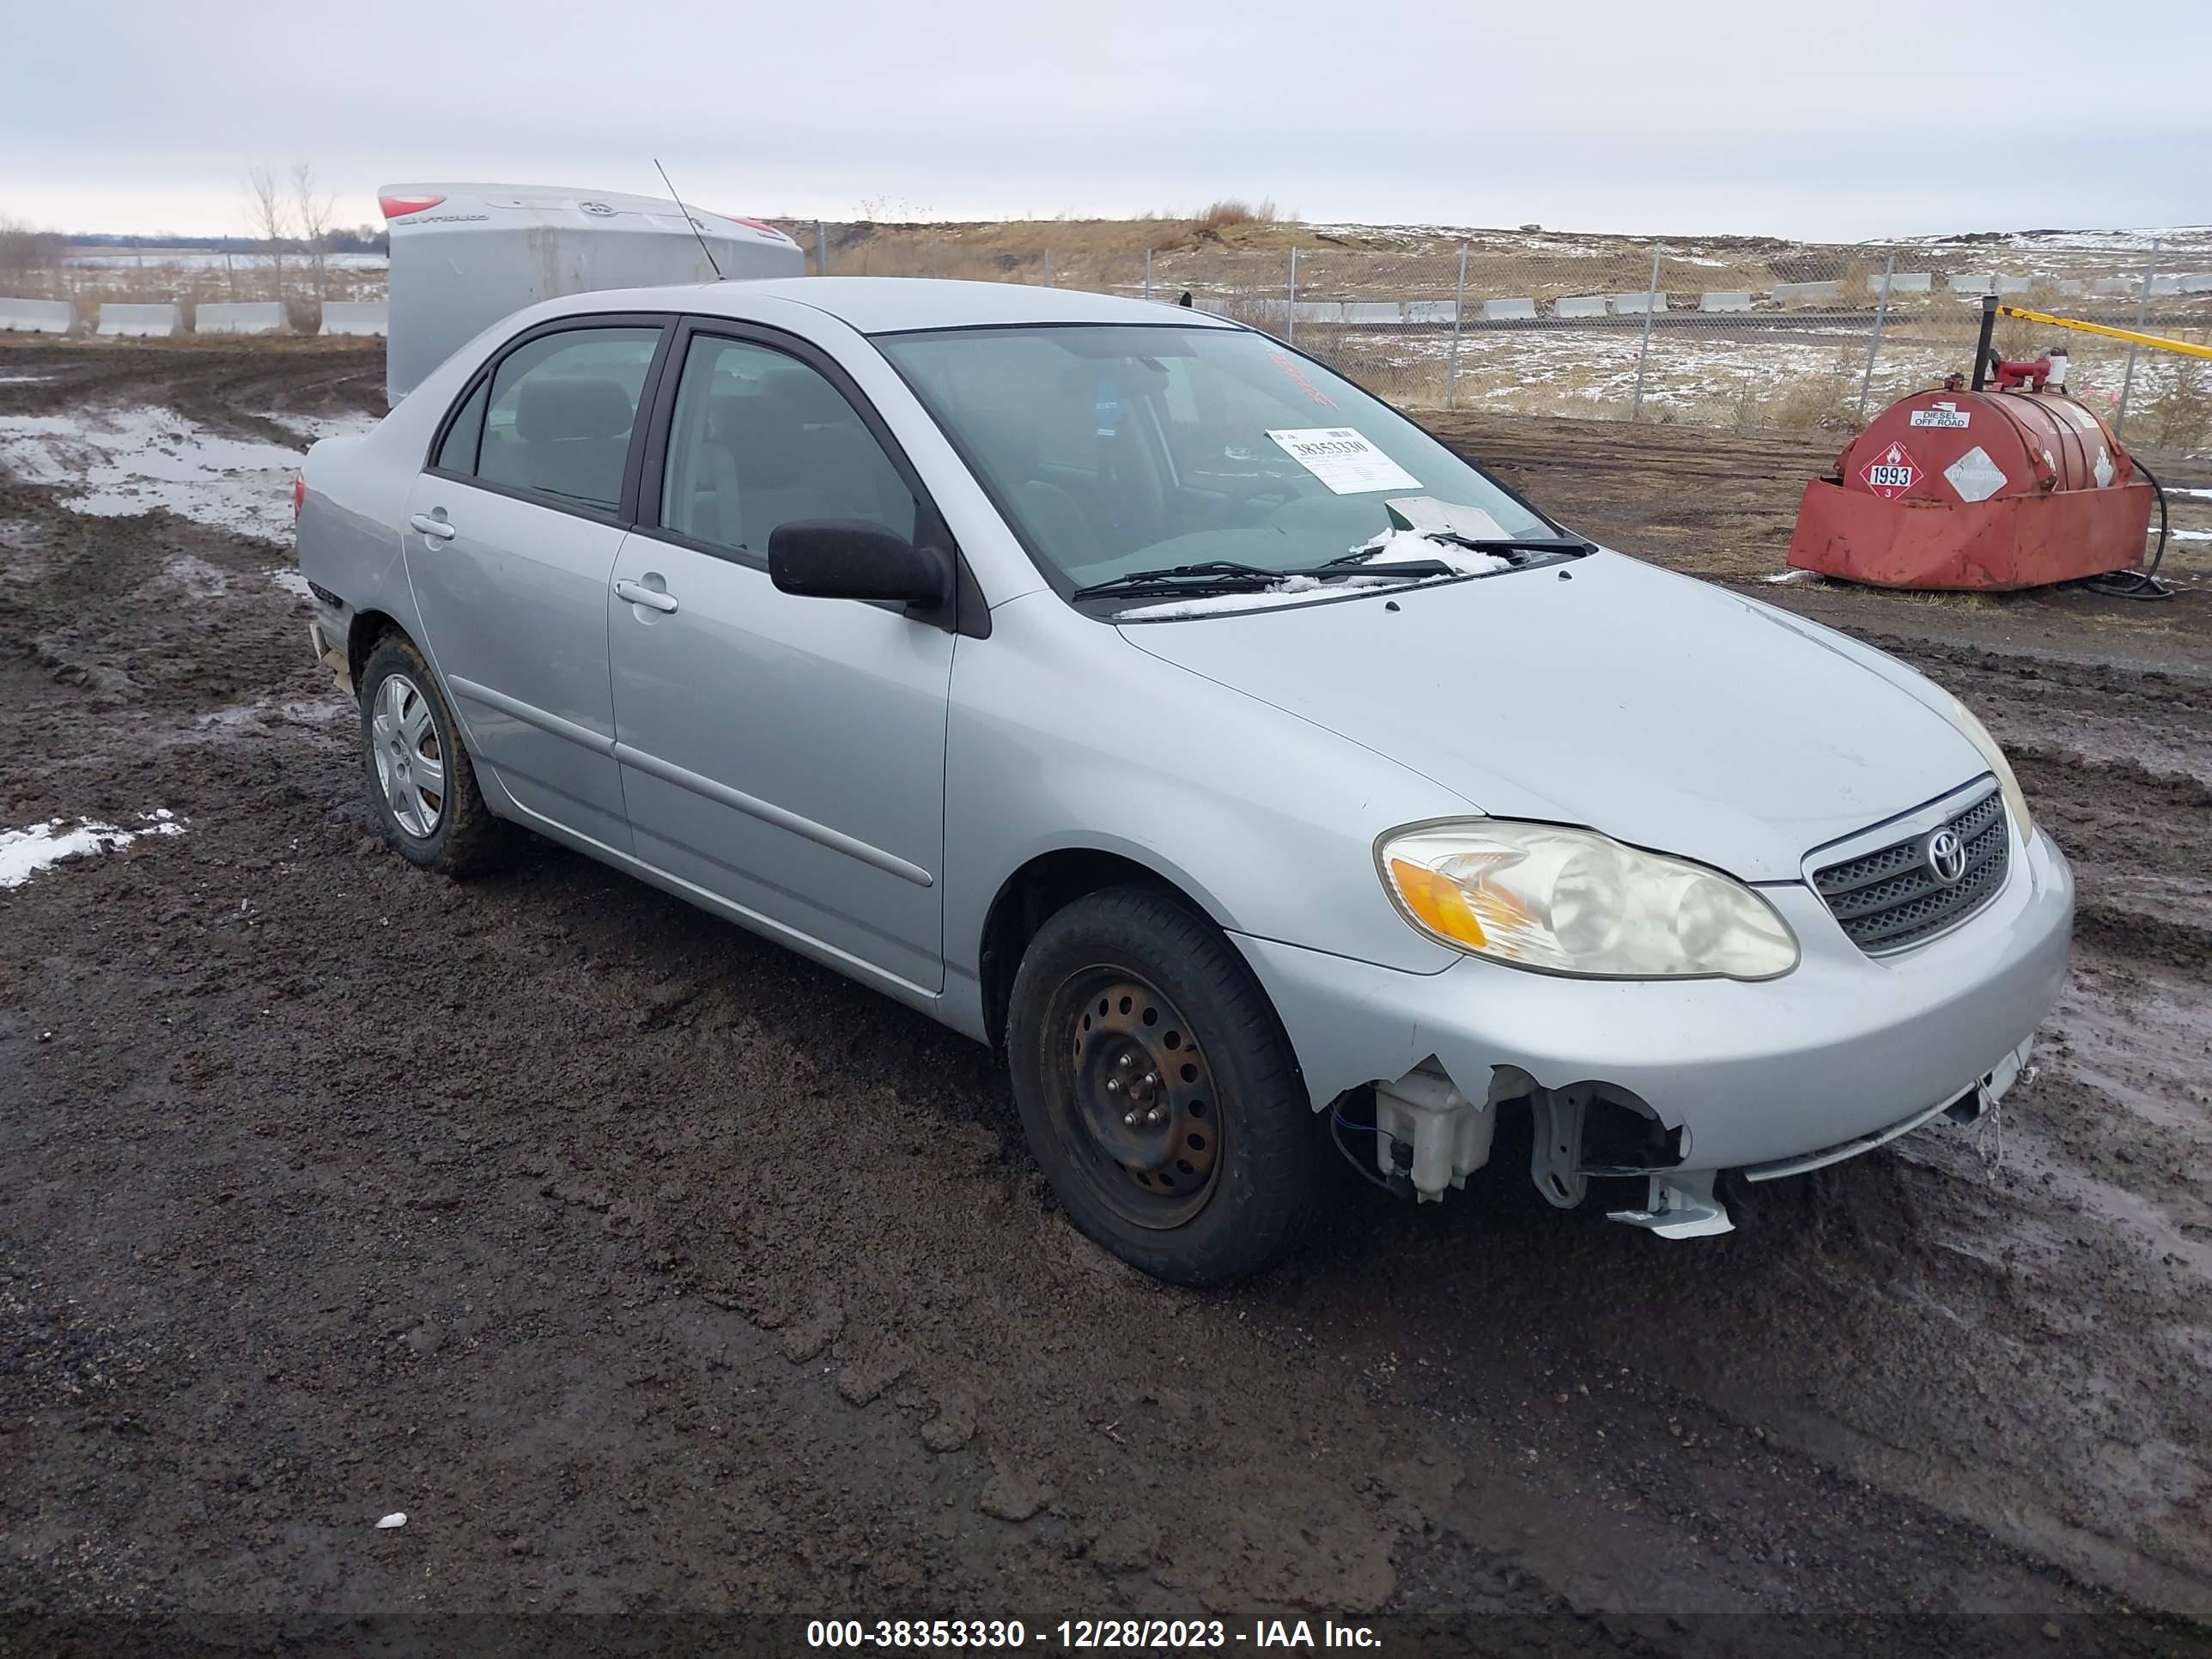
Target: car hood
1606 693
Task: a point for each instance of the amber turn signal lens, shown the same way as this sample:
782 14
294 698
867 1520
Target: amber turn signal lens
1440 902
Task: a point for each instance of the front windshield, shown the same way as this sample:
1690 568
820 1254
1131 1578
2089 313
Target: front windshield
1116 449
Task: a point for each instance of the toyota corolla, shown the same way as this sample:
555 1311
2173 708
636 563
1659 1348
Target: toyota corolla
1128 691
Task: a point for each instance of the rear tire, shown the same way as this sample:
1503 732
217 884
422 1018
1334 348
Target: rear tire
419 774
1159 1093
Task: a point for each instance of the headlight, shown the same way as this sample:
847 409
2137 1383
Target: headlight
1978 735
1574 902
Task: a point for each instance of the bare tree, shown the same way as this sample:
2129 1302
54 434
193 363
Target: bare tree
23 248
269 218
312 207
27 252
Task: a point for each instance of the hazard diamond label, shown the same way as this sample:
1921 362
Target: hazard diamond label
1892 473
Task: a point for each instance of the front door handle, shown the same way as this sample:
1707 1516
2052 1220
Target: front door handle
653 598
437 530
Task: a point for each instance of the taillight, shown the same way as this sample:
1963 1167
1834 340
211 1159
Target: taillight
299 492
398 207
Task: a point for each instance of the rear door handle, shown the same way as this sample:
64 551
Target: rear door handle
653 598
436 529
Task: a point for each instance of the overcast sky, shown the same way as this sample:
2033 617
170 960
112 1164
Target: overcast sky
1817 120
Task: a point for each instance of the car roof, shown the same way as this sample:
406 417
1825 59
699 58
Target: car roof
890 305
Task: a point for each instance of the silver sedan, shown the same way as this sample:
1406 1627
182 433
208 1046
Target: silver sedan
1126 690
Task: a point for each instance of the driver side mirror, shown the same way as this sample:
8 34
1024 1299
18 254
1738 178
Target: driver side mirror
853 559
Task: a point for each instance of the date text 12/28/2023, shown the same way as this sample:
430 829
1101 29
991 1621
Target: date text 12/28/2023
1073 1635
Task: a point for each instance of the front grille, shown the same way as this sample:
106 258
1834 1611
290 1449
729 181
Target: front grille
1890 898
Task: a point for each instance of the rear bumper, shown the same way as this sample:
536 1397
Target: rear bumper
1831 1057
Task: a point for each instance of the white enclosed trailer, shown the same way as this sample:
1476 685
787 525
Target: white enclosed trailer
463 256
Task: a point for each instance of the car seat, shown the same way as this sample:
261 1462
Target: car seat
798 451
571 438
1006 437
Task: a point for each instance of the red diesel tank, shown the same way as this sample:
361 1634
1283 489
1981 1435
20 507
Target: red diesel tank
1976 489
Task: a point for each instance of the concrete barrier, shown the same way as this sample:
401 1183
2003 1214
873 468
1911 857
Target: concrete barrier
37 316
2014 284
1579 304
2198 281
1432 311
1373 311
1793 293
1320 311
249 317
141 322
1505 311
356 317
1635 305
2115 286
1962 281
1902 281
1724 302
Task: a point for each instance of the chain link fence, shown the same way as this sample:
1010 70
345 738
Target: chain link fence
1728 332
1744 333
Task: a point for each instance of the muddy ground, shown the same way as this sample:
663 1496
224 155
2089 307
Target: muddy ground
651 1270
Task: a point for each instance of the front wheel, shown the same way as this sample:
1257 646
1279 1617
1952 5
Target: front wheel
1159 1093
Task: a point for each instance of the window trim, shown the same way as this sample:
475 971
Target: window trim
964 612
625 513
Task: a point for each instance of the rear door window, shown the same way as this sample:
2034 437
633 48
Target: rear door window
558 414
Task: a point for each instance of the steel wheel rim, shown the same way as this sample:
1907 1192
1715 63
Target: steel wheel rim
410 764
1134 1098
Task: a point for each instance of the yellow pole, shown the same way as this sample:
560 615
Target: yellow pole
2157 340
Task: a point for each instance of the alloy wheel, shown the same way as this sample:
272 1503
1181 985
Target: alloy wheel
410 765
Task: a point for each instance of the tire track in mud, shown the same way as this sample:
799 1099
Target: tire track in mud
227 387
650 1267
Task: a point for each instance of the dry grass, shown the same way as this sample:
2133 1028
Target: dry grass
1231 211
2179 416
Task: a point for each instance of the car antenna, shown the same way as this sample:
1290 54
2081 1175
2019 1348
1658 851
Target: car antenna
712 262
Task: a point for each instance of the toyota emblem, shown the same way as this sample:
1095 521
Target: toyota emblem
599 210
1946 857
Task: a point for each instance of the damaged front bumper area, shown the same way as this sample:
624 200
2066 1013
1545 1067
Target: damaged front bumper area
1673 1082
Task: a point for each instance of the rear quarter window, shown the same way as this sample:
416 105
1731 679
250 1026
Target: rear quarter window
458 452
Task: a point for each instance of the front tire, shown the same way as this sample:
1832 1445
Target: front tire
419 774
1159 1093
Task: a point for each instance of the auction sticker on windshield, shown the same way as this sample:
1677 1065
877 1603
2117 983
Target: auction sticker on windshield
1343 461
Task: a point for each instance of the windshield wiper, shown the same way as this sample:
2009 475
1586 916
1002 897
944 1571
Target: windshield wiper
1228 576
1226 572
1359 557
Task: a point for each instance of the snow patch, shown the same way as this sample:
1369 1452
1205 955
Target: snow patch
24 853
316 428
119 462
1403 546
1217 602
